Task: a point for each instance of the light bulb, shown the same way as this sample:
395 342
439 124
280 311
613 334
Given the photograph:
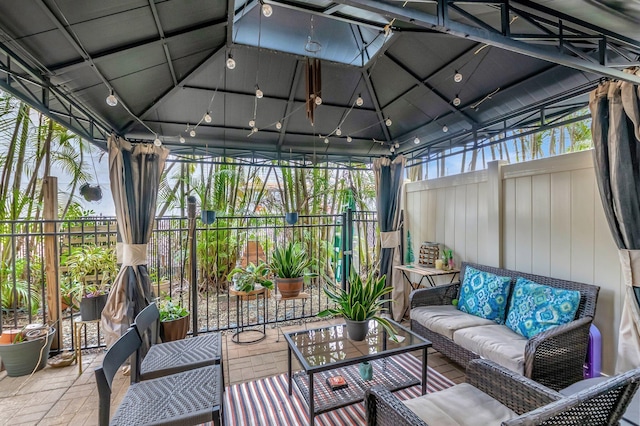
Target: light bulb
157 141
326 140
338 132
267 10
445 128
252 123
231 63
318 100
416 140
397 145
192 133
456 101
359 101
388 122
392 150
207 117
111 99
182 139
457 77
278 125
259 93
254 130
349 139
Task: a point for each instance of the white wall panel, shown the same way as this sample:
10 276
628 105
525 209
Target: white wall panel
561 225
509 224
541 252
582 225
523 213
483 224
460 224
471 224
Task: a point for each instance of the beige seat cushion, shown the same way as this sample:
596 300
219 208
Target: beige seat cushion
460 405
446 319
495 342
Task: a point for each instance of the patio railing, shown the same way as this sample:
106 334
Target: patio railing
219 247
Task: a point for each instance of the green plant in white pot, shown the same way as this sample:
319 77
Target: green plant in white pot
292 266
363 302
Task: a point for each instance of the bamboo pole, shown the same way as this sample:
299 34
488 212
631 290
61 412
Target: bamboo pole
51 258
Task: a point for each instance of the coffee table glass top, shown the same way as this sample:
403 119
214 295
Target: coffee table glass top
329 347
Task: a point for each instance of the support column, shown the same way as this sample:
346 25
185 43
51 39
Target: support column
494 212
51 256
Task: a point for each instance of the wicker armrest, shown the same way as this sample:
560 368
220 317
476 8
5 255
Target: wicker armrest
438 295
556 357
510 388
383 408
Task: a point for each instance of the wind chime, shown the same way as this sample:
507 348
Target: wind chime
313 84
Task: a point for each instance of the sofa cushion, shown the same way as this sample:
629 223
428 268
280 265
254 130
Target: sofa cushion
443 408
495 342
484 294
535 307
445 319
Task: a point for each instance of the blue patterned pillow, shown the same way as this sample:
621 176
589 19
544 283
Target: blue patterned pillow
536 307
484 294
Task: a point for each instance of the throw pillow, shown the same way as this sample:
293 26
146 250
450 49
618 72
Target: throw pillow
484 294
535 307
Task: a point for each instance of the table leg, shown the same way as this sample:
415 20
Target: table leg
424 371
289 366
311 405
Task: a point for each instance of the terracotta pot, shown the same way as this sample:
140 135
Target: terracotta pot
290 287
175 329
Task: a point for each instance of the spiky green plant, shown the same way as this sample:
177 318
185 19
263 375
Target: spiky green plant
362 302
291 261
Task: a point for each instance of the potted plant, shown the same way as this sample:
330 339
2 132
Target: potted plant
174 320
290 264
246 279
360 304
91 270
28 351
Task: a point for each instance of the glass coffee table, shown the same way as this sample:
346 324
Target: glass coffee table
327 352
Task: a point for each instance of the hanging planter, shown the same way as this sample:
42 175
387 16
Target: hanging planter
91 193
208 216
291 218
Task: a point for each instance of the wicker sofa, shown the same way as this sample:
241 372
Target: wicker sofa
494 395
554 358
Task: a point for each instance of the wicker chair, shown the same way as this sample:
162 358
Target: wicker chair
167 358
554 357
191 397
530 402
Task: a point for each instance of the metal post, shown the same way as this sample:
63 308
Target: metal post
343 251
348 244
191 216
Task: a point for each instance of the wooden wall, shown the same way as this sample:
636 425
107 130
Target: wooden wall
544 217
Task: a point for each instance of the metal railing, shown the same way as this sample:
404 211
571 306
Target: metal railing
335 242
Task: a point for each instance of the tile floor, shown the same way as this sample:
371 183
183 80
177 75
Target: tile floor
59 396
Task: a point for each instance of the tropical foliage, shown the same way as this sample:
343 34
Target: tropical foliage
246 278
292 261
171 310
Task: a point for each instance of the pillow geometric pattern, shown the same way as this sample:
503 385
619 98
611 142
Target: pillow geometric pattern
484 294
536 307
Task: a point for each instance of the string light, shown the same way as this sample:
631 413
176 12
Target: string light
278 125
252 123
392 150
157 141
397 145
338 132
254 130
259 93
111 99
445 128
192 133
388 122
182 140
267 10
457 77
326 140
318 100
456 101
231 63
416 140
359 101
349 139
207 117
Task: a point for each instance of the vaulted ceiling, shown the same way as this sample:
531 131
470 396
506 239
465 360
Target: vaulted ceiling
523 64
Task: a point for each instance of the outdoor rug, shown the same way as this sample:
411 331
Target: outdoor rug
266 402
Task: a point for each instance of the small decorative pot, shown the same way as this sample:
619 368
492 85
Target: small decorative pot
291 218
366 370
208 216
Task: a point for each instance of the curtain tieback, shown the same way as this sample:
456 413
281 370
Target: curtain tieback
134 254
390 239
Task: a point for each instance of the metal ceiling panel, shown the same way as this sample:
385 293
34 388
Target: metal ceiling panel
177 14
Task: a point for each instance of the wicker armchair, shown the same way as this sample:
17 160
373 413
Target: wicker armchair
532 403
554 357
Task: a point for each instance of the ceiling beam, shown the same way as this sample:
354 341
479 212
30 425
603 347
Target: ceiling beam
376 104
298 71
442 23
165 48
435 91
351 20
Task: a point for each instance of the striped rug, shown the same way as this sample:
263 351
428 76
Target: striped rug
267 402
